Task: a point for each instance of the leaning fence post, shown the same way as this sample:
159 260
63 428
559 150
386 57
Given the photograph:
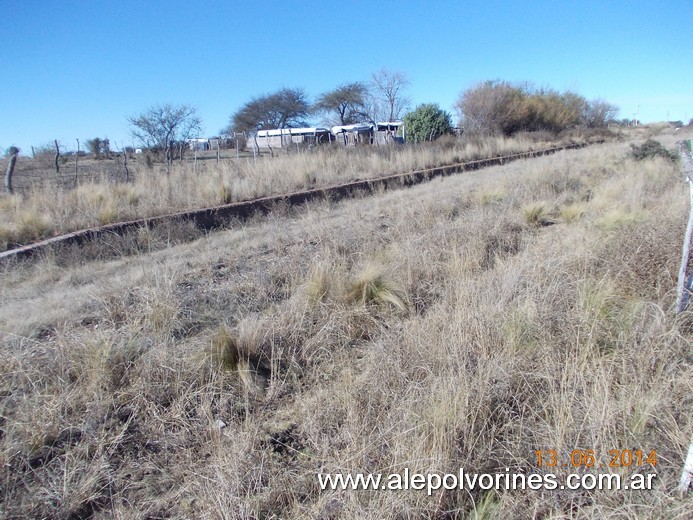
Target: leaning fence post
682 292
684 289
687 474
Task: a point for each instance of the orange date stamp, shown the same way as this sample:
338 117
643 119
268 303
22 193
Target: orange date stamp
590 459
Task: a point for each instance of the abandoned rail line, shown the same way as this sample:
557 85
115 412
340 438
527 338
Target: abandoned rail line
220 216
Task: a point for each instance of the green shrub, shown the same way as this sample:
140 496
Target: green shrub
651 149
427 122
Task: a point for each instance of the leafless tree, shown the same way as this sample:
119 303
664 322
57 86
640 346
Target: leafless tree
598 113
388 100
162 125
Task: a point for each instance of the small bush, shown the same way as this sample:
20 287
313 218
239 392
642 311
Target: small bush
651 149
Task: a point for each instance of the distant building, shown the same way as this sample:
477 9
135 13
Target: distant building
285 137
351 135
387 132
198 143
347 135
223 143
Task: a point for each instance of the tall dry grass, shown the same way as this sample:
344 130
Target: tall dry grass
47 208
431 328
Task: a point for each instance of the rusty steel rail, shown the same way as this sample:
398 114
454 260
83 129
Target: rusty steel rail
219 216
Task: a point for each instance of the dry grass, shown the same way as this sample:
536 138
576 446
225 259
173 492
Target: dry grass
56 205
216 378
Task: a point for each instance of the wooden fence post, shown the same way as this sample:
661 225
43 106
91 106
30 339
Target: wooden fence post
684 288
77 163
10 170
125 160
125 164
169 156
57 156
682 294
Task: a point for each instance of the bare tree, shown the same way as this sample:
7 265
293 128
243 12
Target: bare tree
344 105
388 100
161 126
94 147
598 113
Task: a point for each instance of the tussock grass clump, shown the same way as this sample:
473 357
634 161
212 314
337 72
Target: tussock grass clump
33 227
572 212
492 197
240 353
373 286
225 350
10 202
536 214
618 218
321 283
107 214
504 241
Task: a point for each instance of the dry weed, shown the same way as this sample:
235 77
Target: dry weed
217 378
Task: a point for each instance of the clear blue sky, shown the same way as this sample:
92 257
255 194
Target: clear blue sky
79 69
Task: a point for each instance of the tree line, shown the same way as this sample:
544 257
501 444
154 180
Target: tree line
383 98
504 108
488 108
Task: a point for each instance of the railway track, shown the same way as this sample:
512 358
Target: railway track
220 216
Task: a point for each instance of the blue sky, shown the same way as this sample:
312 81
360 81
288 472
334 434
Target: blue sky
78 69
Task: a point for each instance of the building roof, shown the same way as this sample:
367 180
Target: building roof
292 131
358 127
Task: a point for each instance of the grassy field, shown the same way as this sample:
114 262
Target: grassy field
49 204
464 323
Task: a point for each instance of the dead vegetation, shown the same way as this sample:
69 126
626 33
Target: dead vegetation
48 204
431 328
